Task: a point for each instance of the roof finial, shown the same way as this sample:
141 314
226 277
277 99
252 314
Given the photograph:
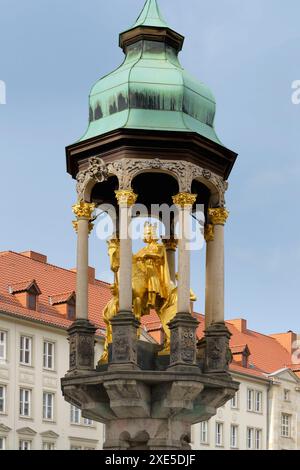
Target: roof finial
150 16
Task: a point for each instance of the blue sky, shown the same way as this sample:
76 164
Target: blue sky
247 52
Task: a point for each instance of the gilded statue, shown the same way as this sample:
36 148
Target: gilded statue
152 287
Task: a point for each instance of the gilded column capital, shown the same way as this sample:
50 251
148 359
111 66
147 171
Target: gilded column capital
170 243
83 210
209 234
185 200
126 197
218 215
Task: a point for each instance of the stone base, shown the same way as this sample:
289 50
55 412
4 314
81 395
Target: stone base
147 434
82 342
217 353
148 409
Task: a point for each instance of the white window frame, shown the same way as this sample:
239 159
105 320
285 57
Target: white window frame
75 415
3 398
234 402
250 438
250 399
204 432
24 349
258 439
47 445
48 404
219 434
285 426
88 422
258 404
3 346
3 440
25 443
23 402
48 356
234 433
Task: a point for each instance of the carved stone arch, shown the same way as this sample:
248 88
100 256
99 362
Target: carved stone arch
127 169
216 185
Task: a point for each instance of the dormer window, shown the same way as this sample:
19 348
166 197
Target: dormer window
26 293
64 304
241 354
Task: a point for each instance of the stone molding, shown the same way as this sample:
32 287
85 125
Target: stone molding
126 169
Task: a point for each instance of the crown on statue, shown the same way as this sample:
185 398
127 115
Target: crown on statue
150 232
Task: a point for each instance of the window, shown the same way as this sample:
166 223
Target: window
71 312
3 346
75 415
25 402
233 436
234 401
219 434
48 402
2 399
285 425
2 443
204 432
48 355
286 395
250 394
254 400
31 301
75 447
254 438
25 350
48 446
88 422
24 445
258 440
250 433
258 402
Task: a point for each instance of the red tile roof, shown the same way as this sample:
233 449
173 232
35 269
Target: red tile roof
52 280
266 353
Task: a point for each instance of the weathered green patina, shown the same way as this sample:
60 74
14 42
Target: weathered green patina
151 90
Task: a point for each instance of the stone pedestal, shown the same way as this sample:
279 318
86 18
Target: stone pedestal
217 352
81 338
148 410
124 345
183 341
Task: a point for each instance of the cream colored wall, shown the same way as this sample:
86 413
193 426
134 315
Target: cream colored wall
38 380
239 416
283 381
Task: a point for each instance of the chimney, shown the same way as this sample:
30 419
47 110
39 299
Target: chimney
35 256
91 274
286 340
240 324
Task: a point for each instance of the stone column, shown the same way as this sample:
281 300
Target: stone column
126 199
214 296
171 246
83 226
183 326
124 325
217 335
82 332
184 203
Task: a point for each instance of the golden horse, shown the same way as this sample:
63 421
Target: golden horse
151 286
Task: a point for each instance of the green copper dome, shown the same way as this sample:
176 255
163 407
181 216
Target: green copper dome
151 90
